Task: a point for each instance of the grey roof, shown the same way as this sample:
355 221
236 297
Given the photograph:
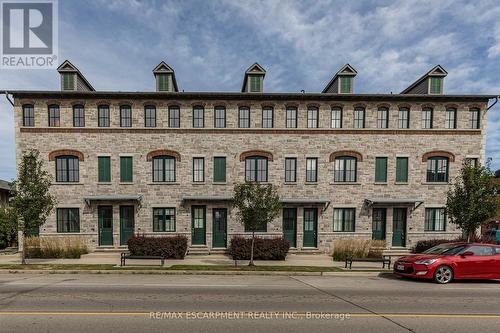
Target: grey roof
305 200
393 201
73 68
351 72
423 77
241 96
112 198
4 185
206 198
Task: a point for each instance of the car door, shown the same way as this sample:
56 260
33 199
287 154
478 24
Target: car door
479 265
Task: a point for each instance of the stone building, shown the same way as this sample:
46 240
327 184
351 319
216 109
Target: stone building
347 165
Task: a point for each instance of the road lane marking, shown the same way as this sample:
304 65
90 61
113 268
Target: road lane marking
298 314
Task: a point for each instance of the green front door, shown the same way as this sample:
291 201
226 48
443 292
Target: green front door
310 227
290 225
219 227
378 223
198 226
105 217
399 227
126 223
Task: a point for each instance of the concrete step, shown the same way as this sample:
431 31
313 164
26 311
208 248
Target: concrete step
101 249
198 250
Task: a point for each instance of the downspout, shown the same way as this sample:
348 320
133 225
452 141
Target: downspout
11 102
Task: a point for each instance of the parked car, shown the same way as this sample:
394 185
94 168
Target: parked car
449 261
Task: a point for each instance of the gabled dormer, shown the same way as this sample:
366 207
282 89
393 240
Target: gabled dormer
72 79
254 79
342 82
431 83
165 78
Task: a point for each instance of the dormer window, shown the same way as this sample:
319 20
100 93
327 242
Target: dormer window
435 85
345 84
255 83
163 82
68 81
165 78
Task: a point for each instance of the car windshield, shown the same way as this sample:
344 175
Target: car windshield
444 249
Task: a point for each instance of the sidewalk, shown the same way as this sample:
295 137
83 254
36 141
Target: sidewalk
313 260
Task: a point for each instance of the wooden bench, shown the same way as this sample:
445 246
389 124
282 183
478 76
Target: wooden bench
384 261
125 256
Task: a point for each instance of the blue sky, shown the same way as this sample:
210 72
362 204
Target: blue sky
116 44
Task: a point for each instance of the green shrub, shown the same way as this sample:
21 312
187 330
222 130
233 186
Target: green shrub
357 248
55 248
174 247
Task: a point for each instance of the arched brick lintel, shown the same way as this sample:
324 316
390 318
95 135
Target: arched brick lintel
65 152
250 153
436 153
350 153
163 152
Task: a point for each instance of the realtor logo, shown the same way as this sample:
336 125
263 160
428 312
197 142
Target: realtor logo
29 34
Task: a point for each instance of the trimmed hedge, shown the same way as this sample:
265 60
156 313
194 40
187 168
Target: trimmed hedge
174 247
264 248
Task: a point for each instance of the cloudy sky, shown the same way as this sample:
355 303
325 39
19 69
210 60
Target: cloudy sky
116 44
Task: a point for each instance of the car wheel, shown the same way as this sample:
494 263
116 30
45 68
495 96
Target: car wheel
443 274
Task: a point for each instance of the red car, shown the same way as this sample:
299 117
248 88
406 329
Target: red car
449 261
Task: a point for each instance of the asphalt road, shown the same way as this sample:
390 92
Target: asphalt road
197 303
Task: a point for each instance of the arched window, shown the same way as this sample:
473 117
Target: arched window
437 169
198 116
149 116
67 169
125 116
256 169
103 116
345 169
427 117
382 117
359 117
312 117
164 168
451 118
336 117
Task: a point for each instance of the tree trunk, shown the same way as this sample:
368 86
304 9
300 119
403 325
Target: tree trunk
251 249
23 254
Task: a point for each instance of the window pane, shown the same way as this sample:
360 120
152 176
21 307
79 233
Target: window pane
450 119
291 117
402 169
404 118
343 219
244 117
68 220
427 118
198 169
267 118
381 169
345 84
169 169
359 118
174 119
104 168
382 118
126 171
78 116
312 117
198 117
219 169
290 169
54 116
311 169
150 116
103 116
435 85
474 118
28 115
336 118
220 117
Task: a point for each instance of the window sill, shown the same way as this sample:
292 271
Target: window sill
198 183
126 183
435 183
401 183
163 232
67 183
380 183
290 183
104 183
345 183
434 231
219 183
164 183
311 183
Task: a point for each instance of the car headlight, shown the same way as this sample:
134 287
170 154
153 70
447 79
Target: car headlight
426 262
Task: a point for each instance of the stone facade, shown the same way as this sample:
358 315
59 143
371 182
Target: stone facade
231 142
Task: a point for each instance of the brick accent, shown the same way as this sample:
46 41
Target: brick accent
163 152
351 153
383 105
263 153
65 152
436 153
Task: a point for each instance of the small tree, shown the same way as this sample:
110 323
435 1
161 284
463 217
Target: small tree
257 204
31 200
8 226
472 201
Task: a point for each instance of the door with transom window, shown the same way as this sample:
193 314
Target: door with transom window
105 220
219 227
399 227
378 223
310 227
127 223
290 225
198 225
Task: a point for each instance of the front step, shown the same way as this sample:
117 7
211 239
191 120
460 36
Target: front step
198 250
103 249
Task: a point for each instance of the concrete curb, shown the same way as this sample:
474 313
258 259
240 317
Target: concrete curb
188 272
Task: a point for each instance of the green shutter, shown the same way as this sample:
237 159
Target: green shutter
381 169
436 85
104 168
126 169
68 81
345 84
402 169
219 169
254 83
163 81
